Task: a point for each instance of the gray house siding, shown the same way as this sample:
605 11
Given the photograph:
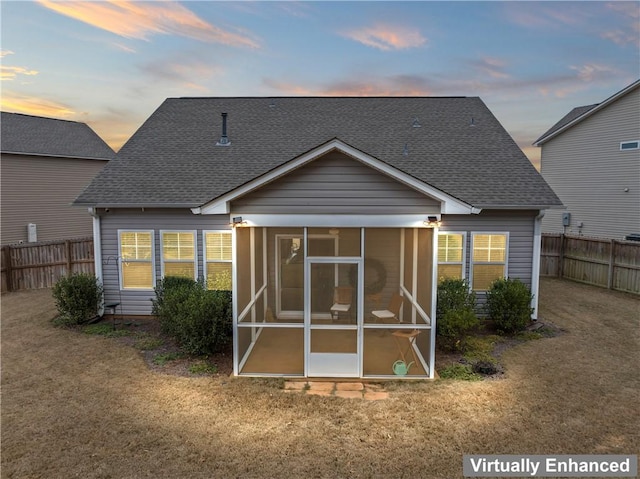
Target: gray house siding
519 225
40 190
598 183
139 302
335 184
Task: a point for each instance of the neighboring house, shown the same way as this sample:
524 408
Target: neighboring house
305 198
591 159
45 164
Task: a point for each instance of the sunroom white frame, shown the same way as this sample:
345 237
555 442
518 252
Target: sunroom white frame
426 322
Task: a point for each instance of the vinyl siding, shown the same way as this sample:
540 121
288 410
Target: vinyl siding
40 190
587 170
335 184
139 302
519 225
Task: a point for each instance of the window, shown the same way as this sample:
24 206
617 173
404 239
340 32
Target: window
629 145
451 255
178 253
136 259
489 259
217 261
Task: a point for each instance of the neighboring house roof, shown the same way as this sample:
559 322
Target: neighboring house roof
459 148
580 113
36 135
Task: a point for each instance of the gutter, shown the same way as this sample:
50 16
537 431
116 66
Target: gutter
91 205
97 252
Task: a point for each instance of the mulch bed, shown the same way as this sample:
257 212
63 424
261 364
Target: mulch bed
150 328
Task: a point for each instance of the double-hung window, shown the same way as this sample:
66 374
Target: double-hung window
489 252
179 253
136 256
217 259
451 255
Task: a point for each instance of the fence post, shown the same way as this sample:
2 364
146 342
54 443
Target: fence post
67 248
8 267
612 257
561 256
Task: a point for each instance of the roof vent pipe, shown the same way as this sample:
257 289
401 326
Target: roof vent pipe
224 140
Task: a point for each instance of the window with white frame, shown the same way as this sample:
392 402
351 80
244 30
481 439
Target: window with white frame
451 255
217 259
178 253
489 252
137 264
629 145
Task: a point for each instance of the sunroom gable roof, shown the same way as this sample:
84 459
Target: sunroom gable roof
450 205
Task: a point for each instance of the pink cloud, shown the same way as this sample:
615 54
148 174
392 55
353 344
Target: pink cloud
387 37
142 19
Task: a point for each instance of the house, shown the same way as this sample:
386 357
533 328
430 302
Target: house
45 164
591 159
294 200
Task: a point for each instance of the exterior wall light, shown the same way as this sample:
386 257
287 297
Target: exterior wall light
237 221
432 222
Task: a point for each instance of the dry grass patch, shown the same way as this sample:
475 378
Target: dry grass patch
76 405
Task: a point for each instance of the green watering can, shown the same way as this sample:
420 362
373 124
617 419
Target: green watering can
401 368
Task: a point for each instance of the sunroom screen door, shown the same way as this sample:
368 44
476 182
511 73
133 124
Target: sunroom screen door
332 340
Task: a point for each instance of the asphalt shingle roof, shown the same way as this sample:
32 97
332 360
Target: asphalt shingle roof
36 135
459 148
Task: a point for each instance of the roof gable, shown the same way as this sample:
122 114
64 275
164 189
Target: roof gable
449 204
454 145
35 135
578 114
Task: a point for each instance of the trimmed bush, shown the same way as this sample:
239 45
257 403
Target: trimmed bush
77 298
509 305
199 319
455 312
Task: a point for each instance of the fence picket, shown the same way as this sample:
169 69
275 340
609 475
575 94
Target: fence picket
607 263
41 265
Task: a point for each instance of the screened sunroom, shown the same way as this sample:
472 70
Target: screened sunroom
334 301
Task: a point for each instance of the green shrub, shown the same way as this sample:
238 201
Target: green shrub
455 312
509 305
77 298
199 319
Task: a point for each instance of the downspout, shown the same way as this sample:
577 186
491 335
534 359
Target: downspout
97 252
535 266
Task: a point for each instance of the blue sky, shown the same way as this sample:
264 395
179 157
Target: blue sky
111 64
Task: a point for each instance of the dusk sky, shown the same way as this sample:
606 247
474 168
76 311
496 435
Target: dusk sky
111 64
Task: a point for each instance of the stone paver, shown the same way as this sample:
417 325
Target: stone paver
321 386
349 386
345 390
320 392
349 394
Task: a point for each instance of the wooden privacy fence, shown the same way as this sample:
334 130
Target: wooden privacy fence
41 265
608 263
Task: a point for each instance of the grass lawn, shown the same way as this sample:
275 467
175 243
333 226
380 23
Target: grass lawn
76 405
